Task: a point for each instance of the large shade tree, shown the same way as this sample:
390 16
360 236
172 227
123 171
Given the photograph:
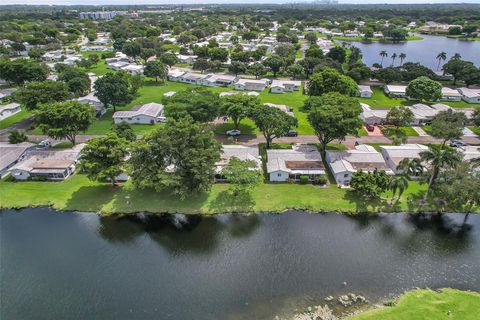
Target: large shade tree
113 90
330 80
238 107
272 122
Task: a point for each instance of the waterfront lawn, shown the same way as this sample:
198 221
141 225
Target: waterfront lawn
78 193
429 305
380 100
23 114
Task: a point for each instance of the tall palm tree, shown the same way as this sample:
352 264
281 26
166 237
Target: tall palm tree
383 54
402 57
438 159
394 56
399 183
441 56
411 167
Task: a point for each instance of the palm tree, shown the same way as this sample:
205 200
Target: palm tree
410 167
438 159
441 56
394 56
457 56
383 54
399 183
402 57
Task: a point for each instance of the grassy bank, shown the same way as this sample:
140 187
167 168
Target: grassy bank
429 305
78 193
23 114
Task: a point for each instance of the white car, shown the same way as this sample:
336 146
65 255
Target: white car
233 133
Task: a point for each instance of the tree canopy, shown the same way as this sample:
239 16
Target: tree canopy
330 80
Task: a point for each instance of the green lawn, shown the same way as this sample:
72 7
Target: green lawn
23 114
407 131
382 101
429 305
78 193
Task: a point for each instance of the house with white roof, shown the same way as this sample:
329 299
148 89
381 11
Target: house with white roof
182 58
9 110
470 95
55 165
364 91
10 154
423 114
301 160
251 85
393 155
133 69
149 113
92 100
192 78
374 116
449 94
281 107
175 74
396 91
364 157
281 86
244 153
215 80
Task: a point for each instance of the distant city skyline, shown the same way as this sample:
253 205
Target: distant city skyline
159 2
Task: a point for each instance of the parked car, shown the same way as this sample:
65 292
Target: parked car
457 144
291 133
370 127
233 133
44 144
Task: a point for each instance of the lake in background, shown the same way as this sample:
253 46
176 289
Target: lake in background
424 51
81 266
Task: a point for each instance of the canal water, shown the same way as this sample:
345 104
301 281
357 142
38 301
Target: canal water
80 266
424 51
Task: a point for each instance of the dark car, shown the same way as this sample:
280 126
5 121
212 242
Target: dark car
457 144
291 133
370 127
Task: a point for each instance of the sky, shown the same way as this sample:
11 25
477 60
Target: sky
138 2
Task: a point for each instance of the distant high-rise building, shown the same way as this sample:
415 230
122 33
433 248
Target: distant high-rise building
98 15
325 2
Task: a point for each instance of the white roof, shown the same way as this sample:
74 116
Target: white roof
283 83
262 82
469 93
240 152
446 91
440 107
212 77
409 151
175 73
280 107
9 153
470 152
422 111
150 109
362 88
305 158
9 106
89 98
375 113
194 76
396 89
363 157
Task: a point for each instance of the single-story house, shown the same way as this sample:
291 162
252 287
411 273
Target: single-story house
449 94
281 107
393 155
396 91
302 160
423 114
133 68
175 74
374 116
9 110
10 154
118 65
364 91
149 113
344 163
6 92
214 80
92 100
470 95
251 85
192 78
240 152
186 58
50 164
281 86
